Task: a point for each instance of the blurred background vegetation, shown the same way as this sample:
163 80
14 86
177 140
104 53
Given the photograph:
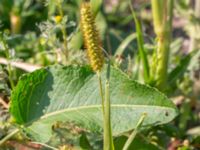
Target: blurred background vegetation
36 33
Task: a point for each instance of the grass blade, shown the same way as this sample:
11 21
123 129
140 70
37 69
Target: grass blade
140 42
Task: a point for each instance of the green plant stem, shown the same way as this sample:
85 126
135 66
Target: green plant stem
133 134
9 136
101 91
108 140
162 15
63 29
9 64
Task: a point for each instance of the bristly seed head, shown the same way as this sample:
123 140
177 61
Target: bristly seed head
91 37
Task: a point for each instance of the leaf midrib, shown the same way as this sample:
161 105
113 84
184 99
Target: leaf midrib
99 106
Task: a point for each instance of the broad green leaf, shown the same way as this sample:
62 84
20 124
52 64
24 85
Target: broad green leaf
71 94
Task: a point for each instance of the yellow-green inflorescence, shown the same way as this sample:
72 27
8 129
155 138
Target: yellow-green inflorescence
91 37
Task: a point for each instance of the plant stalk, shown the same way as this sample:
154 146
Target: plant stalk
134 133
108 140
162 16
9 64
101 91
63 30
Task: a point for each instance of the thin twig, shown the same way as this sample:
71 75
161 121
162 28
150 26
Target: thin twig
45 145
5 105
23 144
21 65
7 137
